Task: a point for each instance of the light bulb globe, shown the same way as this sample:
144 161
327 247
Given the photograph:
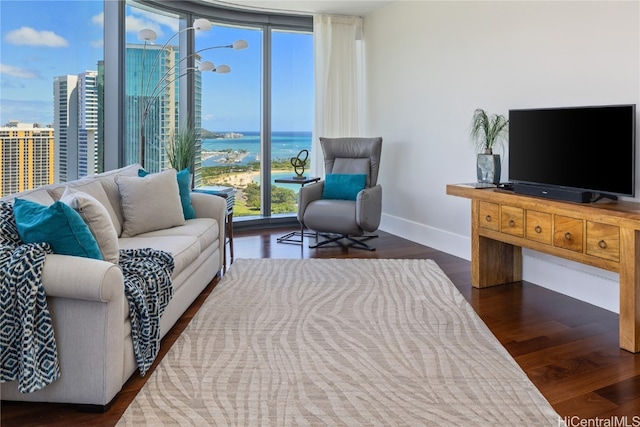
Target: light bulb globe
202 24
206 66
147 35
240 44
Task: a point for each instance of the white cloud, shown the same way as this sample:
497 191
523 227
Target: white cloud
135 24
29 36
156 20
22 73
98 19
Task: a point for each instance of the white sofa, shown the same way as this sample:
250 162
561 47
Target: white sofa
86 296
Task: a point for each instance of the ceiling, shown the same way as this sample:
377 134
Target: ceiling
332 7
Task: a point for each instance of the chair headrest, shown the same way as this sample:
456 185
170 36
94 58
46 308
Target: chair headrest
347 154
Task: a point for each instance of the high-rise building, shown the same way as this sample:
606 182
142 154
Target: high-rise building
26 157
87 124
152 96
65 121
76 121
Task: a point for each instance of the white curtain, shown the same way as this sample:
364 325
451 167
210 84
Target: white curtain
338 81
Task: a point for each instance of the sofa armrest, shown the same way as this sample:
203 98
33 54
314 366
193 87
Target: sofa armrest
212 206
81 278
209 205
88 307
307 195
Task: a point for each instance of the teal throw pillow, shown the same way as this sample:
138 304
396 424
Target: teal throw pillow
184 187
343 186
58 225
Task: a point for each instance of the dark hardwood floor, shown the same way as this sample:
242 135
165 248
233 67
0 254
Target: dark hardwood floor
568 348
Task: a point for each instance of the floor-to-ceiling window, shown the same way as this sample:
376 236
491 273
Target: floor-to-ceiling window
232 114
291 106
256 125
254 117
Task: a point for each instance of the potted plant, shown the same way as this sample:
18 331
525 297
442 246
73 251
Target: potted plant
181 148
488 131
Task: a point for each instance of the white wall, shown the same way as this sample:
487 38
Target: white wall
431 63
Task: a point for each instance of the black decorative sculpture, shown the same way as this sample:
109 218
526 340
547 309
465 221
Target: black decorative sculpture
299 163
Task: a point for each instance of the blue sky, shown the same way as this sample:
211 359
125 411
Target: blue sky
44 39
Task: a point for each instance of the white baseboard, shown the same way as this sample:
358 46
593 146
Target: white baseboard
589 284
445 241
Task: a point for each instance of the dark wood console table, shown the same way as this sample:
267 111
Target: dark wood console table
604 235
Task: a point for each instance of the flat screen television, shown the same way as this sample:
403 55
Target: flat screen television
573 153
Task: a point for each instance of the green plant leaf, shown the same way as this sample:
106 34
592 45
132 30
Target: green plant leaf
181 148
487 131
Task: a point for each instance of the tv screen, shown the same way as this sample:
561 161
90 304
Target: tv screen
591 149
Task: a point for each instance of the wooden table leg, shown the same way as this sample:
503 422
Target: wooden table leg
629 290
492 262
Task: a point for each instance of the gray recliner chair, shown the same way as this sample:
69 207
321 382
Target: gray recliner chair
336 219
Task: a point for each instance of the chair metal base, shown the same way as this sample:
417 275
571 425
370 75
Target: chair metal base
355 241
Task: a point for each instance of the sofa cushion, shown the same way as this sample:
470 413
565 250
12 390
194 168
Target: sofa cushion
185 249
184 189
94 189
149 203
204 229
95 215
39 195
107 179
58 225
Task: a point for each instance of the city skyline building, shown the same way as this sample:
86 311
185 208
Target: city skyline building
152 84
76 123
65 123
87 123
27 157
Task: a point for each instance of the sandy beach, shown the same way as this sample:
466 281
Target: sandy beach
237 179
240 180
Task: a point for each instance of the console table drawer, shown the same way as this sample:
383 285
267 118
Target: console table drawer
489 216
512 220
538 226
603 240
567 233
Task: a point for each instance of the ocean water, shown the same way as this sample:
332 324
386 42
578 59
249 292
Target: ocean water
284 145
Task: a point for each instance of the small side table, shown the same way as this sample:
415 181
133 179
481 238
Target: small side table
228 193
291 237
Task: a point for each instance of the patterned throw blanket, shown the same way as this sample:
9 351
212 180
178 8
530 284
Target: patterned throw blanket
28 350
148 287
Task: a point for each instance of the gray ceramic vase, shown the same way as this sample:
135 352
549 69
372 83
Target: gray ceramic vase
488 168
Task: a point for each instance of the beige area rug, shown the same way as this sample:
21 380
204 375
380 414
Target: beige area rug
338 342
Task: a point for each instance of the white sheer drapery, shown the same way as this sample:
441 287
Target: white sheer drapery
338 81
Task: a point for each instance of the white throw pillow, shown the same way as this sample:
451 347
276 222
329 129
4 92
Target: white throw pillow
149 203
97 218
94 189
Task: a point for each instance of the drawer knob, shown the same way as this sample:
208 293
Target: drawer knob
602 244
487 218
538 229
567 236
512 223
